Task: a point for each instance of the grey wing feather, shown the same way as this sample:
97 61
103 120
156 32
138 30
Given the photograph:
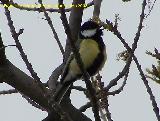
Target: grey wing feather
65 86
70 58
66 67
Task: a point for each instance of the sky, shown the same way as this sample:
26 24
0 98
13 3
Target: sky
131 104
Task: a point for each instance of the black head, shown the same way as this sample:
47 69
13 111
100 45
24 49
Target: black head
90 29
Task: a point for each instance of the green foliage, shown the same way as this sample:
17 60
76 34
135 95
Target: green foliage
154 73
123 56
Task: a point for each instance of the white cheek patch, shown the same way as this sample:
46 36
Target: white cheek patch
89 33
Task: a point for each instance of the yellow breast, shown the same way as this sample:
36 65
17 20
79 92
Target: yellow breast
88 51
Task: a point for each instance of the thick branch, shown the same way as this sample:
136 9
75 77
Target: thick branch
26 85
75 20
15 36
2 52
21 7
97 6
23 83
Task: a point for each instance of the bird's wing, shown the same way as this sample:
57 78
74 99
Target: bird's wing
70 58
65 70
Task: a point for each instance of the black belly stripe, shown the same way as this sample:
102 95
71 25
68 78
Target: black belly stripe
92 70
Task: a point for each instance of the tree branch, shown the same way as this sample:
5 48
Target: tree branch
108 114
19 47
52 27
52 82
33 103
21 7
97 6
152 98
154 104
150 8
2 52
134 46
18 79
85 107
10 91
79 88
23 83
121 87
75 20
156 54
26 85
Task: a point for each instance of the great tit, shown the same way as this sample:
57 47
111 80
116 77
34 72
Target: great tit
92 52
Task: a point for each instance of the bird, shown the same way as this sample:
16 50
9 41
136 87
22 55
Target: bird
92 51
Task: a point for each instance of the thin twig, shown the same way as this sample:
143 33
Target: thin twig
150 9
103 102
57 107
113 28
10 91
149 4
21 7
120 89
7 46
13 91
22 53
85 107
114 81
130 50
134 46
108 114
145 81
52 27
156 54
152 98
140 26
79 88
115 31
